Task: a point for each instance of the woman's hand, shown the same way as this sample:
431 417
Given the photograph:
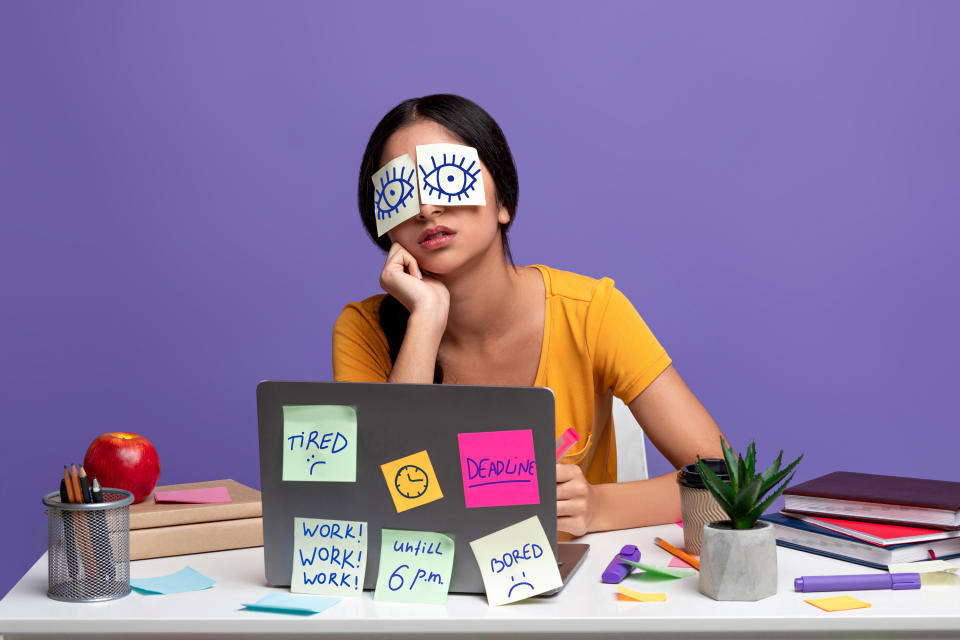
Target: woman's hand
575 500
424 296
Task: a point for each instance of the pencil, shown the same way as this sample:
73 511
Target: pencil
75 479
683 555
69 482
84 486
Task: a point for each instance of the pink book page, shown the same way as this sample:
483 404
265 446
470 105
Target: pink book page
499 468
194 496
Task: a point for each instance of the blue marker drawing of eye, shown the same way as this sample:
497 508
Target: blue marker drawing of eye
393 193
450 178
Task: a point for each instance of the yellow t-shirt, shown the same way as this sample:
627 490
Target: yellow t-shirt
594 344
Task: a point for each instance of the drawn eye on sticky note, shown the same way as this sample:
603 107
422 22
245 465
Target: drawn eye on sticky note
395 196
319 443
411 481
516 562
499 468
449 174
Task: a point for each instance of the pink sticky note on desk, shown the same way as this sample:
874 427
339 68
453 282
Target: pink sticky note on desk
499 468
196 496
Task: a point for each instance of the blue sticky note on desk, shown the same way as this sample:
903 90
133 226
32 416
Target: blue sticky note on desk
295 604
186 579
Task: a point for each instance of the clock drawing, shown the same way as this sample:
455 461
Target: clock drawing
411 481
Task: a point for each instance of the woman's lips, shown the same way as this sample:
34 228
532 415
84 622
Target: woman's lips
435 237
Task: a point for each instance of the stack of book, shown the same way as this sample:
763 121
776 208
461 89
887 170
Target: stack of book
874 520
172 529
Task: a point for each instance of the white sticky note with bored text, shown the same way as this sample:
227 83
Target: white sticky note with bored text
517 562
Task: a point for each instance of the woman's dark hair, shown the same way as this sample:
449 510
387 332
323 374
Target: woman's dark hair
474 126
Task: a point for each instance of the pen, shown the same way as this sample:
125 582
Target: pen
566 440
84 487
96 493
617 570
895 581
683 555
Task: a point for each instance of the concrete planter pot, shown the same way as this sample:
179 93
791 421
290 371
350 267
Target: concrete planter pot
738 564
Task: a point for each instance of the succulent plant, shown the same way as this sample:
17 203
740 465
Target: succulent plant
743 497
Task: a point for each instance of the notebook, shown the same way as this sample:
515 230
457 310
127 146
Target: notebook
797 534
880 498
393 423
877 533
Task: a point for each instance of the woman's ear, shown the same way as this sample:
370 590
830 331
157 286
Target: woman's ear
503 216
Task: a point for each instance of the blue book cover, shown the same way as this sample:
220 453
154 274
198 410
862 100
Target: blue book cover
797 534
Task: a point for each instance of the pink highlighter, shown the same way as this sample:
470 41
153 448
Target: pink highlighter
566 440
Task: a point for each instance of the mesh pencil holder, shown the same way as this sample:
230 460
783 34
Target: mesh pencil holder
88 547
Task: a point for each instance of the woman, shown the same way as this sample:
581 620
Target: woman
458 311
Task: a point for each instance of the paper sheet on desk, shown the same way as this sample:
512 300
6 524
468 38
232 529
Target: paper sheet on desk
292 604
932 572
187 579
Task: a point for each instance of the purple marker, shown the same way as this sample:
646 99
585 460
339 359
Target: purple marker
895 581
618 570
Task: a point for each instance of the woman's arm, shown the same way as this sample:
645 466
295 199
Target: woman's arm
428 302
680 427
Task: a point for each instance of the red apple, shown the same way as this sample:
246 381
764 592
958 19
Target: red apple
123 461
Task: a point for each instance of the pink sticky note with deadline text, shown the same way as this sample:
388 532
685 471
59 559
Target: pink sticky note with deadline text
195 496
499 468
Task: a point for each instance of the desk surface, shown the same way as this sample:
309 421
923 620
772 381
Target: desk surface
584 606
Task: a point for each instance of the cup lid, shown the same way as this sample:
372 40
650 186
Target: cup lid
689 476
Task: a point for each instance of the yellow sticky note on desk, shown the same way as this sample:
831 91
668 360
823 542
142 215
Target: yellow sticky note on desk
641 597
411 481
838 603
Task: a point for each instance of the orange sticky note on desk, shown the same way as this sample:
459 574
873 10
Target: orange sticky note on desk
838 603
641 597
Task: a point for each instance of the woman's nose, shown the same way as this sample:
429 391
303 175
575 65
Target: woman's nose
429 210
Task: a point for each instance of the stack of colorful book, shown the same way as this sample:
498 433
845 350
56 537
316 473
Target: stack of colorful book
871 519
159 529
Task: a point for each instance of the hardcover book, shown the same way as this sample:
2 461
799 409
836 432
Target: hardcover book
879 498
244 503
797 534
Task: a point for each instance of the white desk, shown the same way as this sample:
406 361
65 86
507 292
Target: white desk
584 607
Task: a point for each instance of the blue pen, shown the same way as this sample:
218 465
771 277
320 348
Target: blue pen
617 570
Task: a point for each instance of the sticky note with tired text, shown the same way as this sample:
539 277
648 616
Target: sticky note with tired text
499 468
329 557
449 174
415 566
395 195
516 562
411 481
319 443
838 603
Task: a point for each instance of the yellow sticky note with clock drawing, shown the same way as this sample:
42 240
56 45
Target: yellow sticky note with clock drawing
411 481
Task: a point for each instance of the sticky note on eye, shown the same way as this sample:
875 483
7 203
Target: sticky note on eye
499 468
319 443
411 481
395 197
516 562
329 557
415 566
449 174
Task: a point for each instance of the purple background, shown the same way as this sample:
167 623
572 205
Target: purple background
775 186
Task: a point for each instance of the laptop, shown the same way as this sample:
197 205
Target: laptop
393 421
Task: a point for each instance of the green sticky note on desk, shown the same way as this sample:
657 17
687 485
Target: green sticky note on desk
415 566
668 572
319 443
